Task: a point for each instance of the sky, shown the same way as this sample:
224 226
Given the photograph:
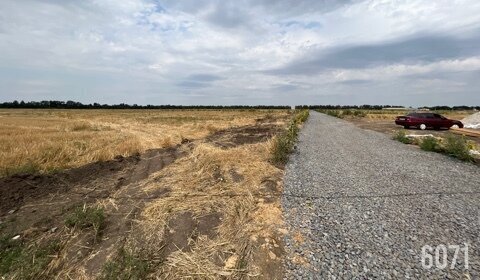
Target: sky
242 52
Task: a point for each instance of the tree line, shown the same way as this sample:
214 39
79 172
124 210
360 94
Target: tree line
54 104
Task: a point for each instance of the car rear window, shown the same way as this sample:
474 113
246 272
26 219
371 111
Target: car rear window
417 115
421 115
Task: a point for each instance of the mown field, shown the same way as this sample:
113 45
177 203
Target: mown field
132 194
382 115
49 140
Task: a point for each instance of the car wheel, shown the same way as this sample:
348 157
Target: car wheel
423 126
406 126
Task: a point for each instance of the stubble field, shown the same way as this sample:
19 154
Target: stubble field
49 140
132 194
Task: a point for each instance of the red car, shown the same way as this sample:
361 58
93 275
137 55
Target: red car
426 120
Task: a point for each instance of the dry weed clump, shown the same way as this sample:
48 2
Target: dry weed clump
82 126
201 184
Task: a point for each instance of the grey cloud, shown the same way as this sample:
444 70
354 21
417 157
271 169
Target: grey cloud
204 77
192 84
272 6
198 81
229 14
356 82
285 88
427 48
292 7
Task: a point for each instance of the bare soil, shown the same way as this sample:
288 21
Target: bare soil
17 190
233 137
186 228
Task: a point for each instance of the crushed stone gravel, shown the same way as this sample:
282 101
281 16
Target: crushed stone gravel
359 205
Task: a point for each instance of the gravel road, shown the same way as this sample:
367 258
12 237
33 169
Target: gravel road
360 206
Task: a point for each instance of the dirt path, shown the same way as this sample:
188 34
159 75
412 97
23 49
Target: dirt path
360 205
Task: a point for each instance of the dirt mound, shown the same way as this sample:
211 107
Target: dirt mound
472 121
185 227
17 189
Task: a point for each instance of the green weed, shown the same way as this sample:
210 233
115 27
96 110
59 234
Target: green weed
27 168
430 144
401 136
344 113
125 266
25 262
457 146
87 217
284 143
334 113
302 116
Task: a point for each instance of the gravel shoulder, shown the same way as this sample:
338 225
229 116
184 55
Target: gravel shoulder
360 205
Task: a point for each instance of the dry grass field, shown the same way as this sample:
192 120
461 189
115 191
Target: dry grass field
194 194
375 115
49 140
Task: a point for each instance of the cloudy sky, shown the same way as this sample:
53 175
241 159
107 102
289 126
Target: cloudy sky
410 52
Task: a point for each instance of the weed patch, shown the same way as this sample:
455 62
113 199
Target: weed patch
352 113
333 113
457 146
27 168
10 253
284 143
341 114
87 217
125 266
401 136
430 144
302 116
25 262
452 145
